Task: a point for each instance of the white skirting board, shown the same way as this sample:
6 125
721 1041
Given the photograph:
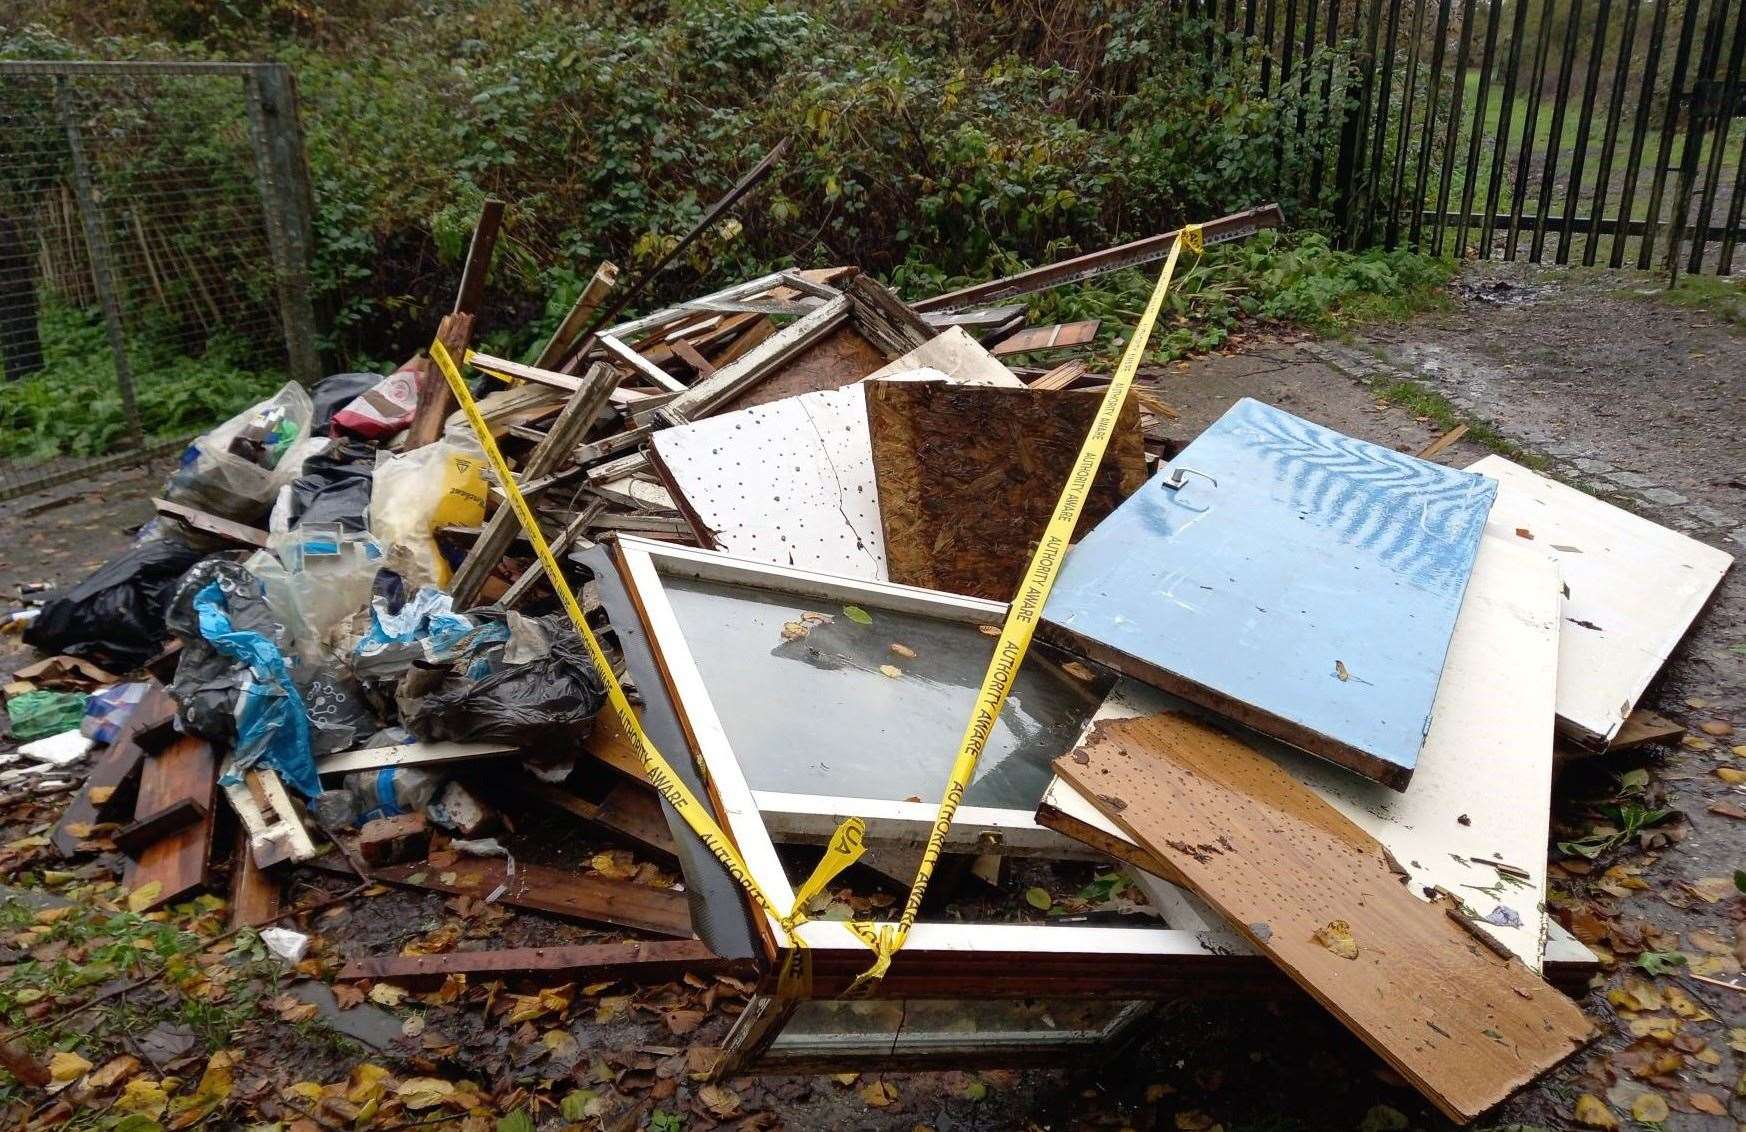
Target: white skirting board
1633 588
1482 790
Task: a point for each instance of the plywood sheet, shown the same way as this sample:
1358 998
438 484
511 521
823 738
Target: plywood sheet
1634 588
1476 817
790 483
1317 895
1292 578
842 358
968 476
176 863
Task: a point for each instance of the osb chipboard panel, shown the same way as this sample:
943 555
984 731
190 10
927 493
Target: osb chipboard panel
969 475
1317 895
842 357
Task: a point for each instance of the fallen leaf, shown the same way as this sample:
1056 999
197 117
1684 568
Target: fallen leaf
348 995
879 1094
1340 671
1592 1112
366 1083
1712 889
682 1022
114 1071
1336 936
891 670
903 650
1719 728
98 795
144 896
387 994
720 1102
142 1096
988 630
795 630
1733 776
1078 671
1039 898
65 1067
1523 532
1382 1118
1649 1108
615 864
858 615
424 1092
1704 1102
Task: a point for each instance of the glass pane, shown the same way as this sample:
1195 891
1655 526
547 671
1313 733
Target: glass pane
911 1025
871 704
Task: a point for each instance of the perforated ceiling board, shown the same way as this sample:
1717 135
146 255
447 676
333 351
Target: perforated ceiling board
1316 894
1289 577
790 483
1476 817
1634 587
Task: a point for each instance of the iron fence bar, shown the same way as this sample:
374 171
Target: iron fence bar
1305 83
1480 99
1267 54
1584 224
1610 134
1669 124
97 247
1591 81
1374 187
1288 48
1501 144
1452 135
1694 135
1555 136
1335 103
1731 229
1439 40
1352 146
1724 117
1640 127
1525 156
1249 13
1403 134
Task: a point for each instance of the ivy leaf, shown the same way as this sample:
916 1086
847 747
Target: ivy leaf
517 1121
1039 898
858 615
1660 962
1740 879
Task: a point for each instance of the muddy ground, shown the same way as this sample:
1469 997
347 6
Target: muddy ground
1594 378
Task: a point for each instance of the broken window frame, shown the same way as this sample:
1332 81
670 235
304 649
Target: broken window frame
940 957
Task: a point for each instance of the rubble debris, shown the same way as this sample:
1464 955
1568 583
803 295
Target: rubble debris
389 841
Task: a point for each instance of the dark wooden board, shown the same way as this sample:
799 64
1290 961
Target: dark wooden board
629 812
969 475
593 900
113 771
647 961
254 892
1466 1026
842 357
187 769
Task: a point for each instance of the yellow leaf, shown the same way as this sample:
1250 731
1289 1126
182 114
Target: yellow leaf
1649 1108
387 994
114 1071
616 864
721 1102
1704 1102
610 1007
308 1091
1733 776
99 794
366 1083
1193 1122
1712 889
1337 937
1681 1004
144 896
143 1096
50 915
891 670
851 1078
903 650
1592 1112
67 1066
879 1093
424 1092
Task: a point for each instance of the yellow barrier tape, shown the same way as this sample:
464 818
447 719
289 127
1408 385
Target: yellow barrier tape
1021 622
471 357
846 844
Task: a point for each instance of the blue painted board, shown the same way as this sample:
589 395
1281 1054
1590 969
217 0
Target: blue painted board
1288 576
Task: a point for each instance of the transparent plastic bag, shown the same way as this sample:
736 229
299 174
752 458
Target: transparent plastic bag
316 579
439 485
235 471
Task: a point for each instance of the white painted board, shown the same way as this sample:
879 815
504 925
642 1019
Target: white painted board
952 354
406 754
1482 790
1634 587
789 482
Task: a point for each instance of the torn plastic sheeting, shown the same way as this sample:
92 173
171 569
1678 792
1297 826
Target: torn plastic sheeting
117 614
535 705
36 714
425 628
334 487
272 726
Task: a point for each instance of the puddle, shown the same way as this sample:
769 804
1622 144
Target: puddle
1502 292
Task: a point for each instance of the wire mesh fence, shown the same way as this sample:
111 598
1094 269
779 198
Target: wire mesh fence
154 231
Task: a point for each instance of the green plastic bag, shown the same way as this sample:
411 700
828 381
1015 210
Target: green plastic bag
36 714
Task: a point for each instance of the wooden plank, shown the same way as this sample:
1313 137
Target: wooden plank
254 892
641 365
967 477
1633 588
637 961
1436 447
239 534
733 378
262 805
1062 376
687 353
560 892
576 319
147 829
1478 815
1643 727
177 863
883 318
434 397
1466 1026
628 812
470 295
407 754
548 378
112 772
1296 580
1057 337
981 318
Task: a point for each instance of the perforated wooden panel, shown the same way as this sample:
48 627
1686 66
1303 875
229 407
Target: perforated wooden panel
1316 894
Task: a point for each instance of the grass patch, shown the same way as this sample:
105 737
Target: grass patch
1422 401
1724 298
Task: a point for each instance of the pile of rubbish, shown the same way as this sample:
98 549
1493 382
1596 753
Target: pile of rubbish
1294 699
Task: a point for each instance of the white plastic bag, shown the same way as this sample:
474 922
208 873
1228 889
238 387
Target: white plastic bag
439 485
316 579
